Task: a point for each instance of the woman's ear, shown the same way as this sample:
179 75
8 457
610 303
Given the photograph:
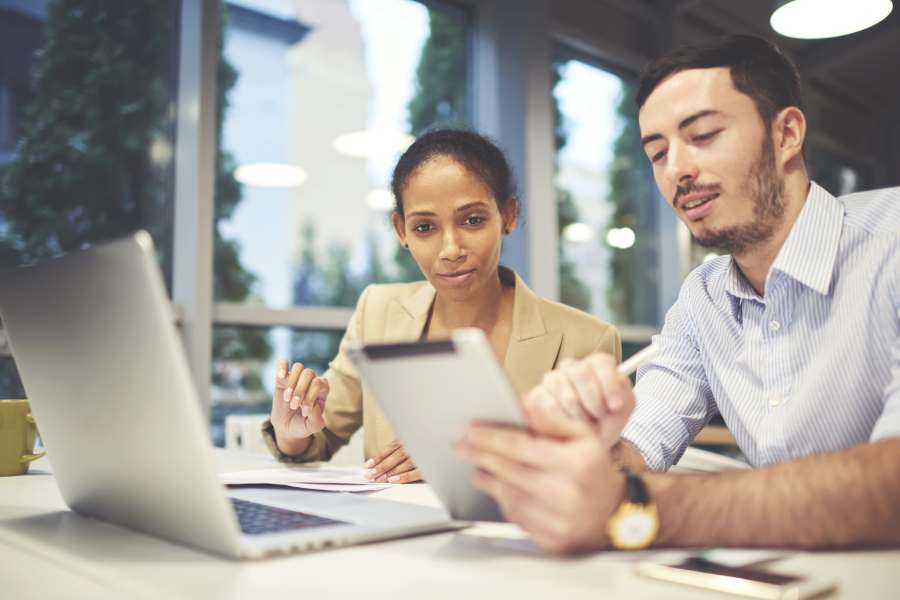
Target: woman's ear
510 214
399 224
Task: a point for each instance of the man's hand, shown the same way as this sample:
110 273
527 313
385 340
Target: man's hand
392 465
557 483
590 389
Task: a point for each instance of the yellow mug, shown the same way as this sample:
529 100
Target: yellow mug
17 434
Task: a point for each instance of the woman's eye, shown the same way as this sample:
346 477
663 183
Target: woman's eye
474 220
422 228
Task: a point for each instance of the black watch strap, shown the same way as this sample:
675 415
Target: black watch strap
635 489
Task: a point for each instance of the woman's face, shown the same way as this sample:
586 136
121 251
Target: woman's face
453 227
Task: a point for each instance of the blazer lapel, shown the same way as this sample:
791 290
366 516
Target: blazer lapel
406 316
532 349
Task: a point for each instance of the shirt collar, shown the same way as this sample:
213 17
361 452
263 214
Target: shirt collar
808 253
810 250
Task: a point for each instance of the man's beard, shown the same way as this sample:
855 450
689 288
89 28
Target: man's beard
766 190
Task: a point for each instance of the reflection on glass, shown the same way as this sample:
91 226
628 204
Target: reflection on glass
86 124
337 88
86 129
606 208
243 376
10 384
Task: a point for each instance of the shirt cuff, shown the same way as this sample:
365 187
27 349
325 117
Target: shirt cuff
312 453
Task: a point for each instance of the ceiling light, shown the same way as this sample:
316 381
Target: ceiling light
367 143
815 19
380 199
621 237
578 232
274 175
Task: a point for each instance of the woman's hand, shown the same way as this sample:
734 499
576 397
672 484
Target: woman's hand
392 465
297 406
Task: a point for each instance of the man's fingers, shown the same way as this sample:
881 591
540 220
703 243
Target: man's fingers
557 384
584 381
545 420
614 385
511 442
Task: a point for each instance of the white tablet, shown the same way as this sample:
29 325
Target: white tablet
431 391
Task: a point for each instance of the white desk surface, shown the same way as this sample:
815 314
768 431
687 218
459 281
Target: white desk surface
46 551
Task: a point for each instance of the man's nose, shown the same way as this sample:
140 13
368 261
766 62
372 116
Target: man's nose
681 166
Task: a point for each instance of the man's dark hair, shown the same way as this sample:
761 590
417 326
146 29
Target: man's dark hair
758 69
478 154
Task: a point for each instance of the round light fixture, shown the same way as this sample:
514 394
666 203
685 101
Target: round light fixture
577 232
380 199
273 175
367 143
620 237
816 19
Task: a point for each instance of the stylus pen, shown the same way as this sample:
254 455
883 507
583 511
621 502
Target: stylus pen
638 360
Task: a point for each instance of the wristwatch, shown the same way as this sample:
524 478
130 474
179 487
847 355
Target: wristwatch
635 523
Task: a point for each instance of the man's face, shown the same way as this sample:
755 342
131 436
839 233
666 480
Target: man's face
713 159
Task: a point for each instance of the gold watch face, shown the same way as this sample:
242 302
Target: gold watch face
633 526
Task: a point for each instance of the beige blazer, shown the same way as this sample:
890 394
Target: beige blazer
543 334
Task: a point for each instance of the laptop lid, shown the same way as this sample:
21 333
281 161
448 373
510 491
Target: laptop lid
103 366
93 339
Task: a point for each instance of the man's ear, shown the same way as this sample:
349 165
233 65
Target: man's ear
399 224
789 133
510 214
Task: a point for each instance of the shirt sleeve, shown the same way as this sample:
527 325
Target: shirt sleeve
673 398
888 424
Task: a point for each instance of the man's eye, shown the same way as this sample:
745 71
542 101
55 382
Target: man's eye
702 137
422 228
658 156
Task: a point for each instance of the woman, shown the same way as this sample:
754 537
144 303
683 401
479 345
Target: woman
455 200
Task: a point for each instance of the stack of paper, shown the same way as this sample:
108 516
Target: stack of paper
330 479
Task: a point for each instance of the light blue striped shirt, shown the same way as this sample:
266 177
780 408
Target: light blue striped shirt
811 367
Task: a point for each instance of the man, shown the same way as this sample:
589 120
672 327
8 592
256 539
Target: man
794 339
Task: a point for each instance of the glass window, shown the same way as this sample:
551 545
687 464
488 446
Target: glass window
87 125
243 376
604 191
320 97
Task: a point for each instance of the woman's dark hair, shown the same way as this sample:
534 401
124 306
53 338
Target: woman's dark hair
758 69
478 154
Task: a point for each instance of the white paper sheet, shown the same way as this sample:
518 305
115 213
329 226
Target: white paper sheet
333 479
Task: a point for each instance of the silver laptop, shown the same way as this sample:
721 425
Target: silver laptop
93 337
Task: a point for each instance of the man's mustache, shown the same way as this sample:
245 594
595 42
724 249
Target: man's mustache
691 188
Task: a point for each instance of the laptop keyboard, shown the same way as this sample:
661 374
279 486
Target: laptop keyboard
256 518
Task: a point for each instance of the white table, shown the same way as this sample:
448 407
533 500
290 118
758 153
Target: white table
46 551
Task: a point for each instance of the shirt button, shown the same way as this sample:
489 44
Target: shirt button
774 325
774 400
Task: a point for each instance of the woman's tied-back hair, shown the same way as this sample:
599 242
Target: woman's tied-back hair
478 154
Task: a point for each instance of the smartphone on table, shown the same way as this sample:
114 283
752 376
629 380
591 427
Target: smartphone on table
743 581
